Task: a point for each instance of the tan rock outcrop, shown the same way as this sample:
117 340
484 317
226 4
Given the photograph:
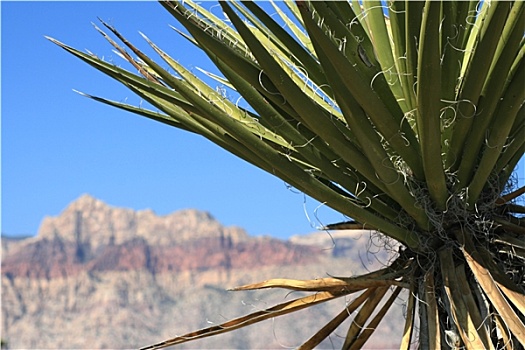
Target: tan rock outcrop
90 220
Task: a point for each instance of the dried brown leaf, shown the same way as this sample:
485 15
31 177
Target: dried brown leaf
335 322
364 313
372 326
462 319
409 322
277 310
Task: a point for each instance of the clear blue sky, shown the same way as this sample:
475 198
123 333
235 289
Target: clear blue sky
57 145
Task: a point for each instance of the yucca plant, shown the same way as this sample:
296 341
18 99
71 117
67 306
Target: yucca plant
405 116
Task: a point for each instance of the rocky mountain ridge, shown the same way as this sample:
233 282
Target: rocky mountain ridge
90 219
98 276
90 235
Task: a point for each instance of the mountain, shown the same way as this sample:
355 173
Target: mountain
98 276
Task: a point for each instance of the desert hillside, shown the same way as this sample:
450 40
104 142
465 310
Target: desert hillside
101 277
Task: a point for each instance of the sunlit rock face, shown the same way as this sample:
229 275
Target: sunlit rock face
98 276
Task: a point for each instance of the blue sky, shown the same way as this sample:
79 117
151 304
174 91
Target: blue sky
57 145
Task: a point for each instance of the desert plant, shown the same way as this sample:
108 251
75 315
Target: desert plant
405 116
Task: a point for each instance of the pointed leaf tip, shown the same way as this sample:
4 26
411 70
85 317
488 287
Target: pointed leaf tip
81 93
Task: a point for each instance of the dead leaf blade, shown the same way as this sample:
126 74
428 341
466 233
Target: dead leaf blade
372 326
324 332
258 316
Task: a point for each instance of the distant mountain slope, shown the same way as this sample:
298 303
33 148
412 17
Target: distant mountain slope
97 276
